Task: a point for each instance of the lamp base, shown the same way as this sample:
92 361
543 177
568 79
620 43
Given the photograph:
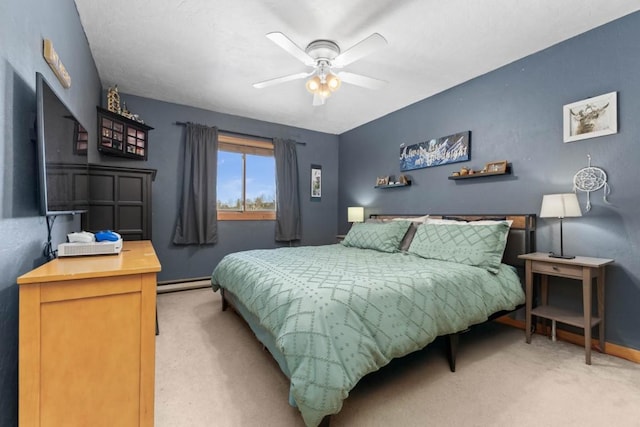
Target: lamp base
552 255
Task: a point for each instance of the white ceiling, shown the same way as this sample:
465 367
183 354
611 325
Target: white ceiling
207 53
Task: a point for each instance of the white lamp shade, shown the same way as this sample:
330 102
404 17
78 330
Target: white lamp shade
560 206
355 214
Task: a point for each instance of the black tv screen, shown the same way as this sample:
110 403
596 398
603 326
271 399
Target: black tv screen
62 154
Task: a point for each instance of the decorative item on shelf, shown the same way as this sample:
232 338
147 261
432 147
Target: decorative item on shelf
560 206
496 167
126 113
355 214
390 182
382 180
591 117
591 179
114 105
113 100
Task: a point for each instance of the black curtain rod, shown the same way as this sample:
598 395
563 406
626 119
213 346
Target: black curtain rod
239 133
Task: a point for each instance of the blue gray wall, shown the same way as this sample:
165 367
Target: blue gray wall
515 113
319 219
23 25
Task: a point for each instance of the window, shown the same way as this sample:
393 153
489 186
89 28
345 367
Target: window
246 185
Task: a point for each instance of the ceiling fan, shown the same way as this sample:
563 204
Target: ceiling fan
325 57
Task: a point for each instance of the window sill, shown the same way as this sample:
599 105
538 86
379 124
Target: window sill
246 216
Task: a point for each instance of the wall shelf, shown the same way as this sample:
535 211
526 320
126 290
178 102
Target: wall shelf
481 175
394 185
121 136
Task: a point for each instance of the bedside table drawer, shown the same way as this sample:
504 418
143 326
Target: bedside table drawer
557 269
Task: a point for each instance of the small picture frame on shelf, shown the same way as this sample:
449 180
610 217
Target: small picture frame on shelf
382 180
496 167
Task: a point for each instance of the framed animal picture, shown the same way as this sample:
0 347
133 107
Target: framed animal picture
591 117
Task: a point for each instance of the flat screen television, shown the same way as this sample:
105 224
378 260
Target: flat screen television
62 154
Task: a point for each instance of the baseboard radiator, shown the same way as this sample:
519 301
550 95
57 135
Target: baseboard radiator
183 284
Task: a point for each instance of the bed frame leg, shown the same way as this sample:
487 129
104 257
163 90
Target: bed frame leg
325 421
225 304
453 340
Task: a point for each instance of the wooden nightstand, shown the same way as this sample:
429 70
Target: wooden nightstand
580 268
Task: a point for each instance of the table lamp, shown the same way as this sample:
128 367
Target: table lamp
560 206
355 214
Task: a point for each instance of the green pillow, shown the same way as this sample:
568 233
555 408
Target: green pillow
384 237
480 245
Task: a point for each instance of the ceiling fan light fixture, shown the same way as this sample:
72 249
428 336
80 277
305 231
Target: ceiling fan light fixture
313 84
324 84
325 55
324 91
333 82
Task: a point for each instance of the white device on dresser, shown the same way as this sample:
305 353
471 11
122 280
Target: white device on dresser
84 243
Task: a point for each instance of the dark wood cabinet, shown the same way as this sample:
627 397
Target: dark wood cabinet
120 200
121 136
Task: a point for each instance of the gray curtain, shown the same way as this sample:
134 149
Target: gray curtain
288 223
197 217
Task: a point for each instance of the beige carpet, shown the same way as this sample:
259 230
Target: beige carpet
211 371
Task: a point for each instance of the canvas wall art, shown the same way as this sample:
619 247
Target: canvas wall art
435 152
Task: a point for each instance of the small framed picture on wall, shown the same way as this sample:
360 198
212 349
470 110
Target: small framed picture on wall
591 117
316 182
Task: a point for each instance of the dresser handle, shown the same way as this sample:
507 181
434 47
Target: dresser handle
555 268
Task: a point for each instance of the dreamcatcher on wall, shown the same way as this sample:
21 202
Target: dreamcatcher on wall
590 179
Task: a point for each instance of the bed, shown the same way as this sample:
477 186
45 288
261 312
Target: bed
331 314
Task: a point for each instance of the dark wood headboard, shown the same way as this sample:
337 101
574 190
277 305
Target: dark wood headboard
521 239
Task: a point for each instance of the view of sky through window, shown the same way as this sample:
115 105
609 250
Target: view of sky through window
260 181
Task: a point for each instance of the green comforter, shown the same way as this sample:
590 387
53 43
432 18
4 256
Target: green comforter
338 313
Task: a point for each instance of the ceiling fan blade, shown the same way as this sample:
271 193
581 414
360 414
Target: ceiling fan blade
360 80
293 49
365 47
278 80
317 100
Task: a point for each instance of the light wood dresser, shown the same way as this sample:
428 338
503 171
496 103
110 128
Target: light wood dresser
87 340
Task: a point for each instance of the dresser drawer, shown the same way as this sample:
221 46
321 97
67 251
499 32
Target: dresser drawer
557 269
